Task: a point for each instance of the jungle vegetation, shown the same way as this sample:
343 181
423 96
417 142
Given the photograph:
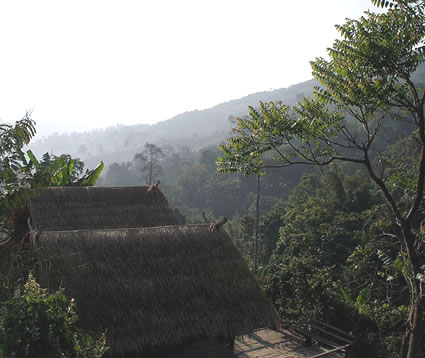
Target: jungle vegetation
342 217
353 245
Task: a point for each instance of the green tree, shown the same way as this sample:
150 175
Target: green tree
192 186
61 170
34 323
15 181
270 225
367 83
310 264
149 159
121 175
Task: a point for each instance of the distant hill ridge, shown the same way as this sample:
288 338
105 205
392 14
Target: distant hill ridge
193 129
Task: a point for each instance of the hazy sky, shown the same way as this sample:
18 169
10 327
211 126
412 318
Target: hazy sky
86 64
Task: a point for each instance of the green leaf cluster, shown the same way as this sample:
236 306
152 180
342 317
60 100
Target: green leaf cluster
333 261
34 323
61 170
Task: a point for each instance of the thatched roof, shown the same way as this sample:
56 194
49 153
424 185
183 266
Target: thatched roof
78 208
155 287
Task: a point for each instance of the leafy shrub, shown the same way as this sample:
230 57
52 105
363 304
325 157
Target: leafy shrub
34 323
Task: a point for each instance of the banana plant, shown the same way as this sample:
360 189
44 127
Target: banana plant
61 171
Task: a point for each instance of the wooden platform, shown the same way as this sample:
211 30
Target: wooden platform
271 344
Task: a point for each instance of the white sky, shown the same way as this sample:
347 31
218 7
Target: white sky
86 64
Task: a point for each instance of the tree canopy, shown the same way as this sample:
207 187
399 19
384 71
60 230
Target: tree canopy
149 159
367 86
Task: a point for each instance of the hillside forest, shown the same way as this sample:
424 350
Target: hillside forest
322 183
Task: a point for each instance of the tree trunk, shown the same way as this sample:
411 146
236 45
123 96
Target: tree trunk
257 224
413 333
150 173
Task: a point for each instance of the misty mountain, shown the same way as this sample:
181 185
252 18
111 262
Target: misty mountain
194 129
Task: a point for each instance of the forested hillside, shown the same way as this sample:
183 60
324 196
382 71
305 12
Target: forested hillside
195 130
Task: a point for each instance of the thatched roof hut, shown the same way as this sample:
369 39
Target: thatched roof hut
84 208
155 287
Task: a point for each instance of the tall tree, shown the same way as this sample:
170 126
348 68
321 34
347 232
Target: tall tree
121 175
149 159
14 178
367 84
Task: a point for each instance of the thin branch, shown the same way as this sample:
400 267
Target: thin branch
421 177
382 186
347 134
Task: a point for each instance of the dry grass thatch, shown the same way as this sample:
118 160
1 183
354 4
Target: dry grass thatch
155 287
81 208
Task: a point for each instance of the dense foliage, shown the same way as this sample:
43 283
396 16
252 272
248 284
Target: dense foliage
369 85
327 266
14 179
34 323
